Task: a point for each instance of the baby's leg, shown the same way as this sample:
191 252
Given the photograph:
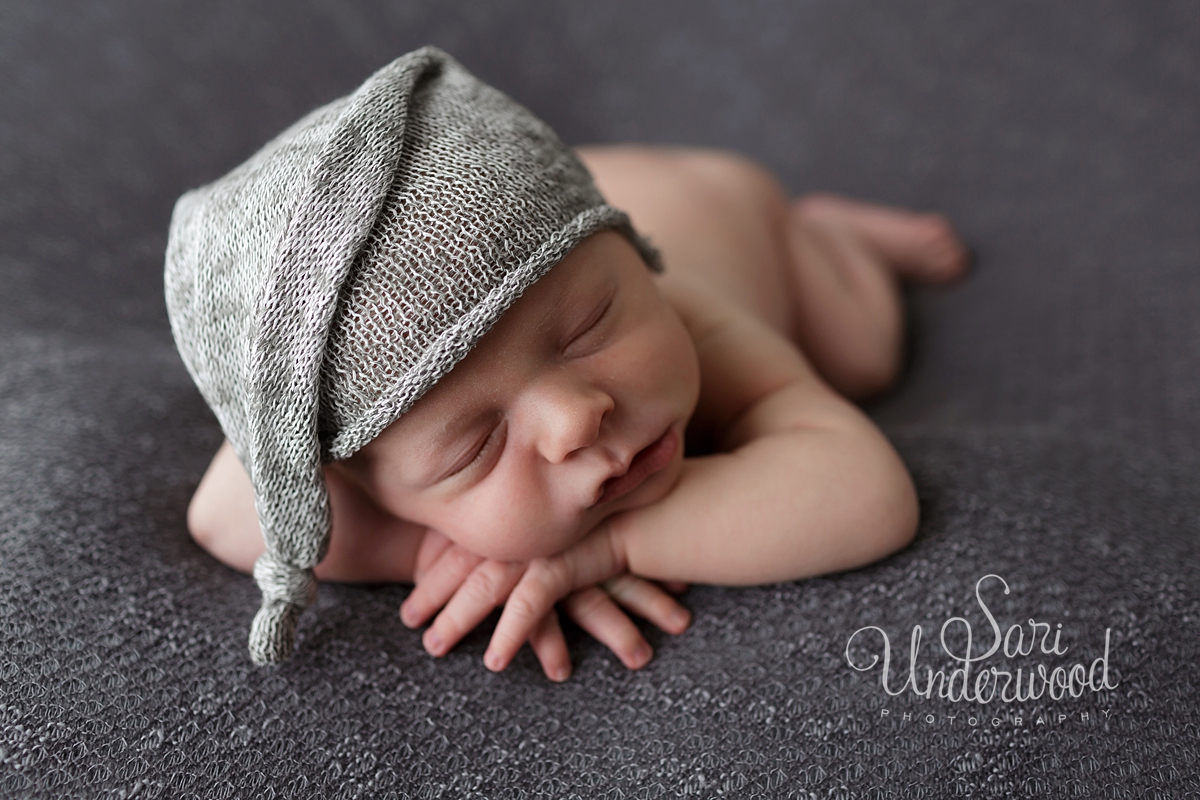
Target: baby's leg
848 259
716 217
822 270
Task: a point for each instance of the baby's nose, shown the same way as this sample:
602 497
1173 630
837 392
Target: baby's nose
570 416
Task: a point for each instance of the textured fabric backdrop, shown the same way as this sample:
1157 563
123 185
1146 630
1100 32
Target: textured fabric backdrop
1049 413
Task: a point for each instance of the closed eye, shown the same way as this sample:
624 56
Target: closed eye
599 316
494 439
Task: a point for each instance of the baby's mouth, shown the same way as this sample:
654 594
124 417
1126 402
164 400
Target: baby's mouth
650 459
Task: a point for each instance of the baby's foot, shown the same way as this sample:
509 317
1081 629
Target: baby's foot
918 247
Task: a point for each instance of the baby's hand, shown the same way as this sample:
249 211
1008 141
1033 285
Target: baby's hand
470 587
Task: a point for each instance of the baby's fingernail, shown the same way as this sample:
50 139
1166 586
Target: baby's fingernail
680 618
492 662
406 616
641 656
561 674
433 643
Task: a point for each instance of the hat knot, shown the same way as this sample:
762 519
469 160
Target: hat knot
286 590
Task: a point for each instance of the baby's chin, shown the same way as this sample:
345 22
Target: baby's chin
530 540
522 543
547 542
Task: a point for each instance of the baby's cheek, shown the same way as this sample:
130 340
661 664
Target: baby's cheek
516 536
503 528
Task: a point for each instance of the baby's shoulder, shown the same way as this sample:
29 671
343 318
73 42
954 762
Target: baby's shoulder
701 309
730 337
743 361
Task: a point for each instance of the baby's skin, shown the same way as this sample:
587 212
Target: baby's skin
548 467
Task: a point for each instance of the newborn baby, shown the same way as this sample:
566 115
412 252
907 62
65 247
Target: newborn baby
546 464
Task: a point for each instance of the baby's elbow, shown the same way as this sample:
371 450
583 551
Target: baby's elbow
910 515
200 523
220 536
884 498
209 530
901 510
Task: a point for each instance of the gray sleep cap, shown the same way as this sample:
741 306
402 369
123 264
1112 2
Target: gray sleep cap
319 289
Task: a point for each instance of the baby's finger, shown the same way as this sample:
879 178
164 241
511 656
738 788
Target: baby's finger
543 583
546 581
649 601
551 648
484 589
596 613
438 583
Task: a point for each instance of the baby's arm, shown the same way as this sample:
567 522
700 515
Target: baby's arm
804 481
368 545
808 486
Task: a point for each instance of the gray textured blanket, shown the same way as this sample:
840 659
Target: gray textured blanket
1049 416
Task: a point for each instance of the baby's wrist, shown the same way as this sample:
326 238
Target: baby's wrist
616 533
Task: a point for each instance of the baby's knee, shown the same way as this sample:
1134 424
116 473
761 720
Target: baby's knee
874 375
866 366
202 521
230 538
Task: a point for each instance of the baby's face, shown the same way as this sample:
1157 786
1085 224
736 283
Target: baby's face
509 454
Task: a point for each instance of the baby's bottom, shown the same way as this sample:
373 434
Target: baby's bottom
822 270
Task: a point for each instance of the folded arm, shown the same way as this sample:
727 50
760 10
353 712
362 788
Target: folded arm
807 485
803 482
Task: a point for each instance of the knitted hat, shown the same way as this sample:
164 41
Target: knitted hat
316 291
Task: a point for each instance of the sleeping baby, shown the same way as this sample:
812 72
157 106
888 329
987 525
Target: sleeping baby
440 356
